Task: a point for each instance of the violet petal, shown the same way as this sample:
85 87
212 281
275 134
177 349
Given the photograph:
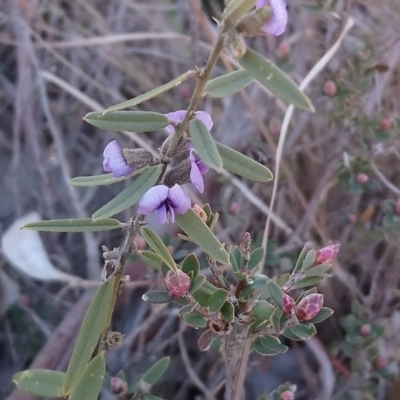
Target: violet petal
114 160
196 177
162 213
178 199
153 199
278 19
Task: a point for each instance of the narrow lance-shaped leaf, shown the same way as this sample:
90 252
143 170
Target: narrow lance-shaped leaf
152 259
228 84
242 165
155 242
202 235
131 195
130 121
155 372
40 382
102 180
90 381
204 144
74 225
152 93
89 334
274 79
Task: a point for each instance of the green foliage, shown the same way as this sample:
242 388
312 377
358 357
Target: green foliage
157 296
153 374
74 225
228 84
40 382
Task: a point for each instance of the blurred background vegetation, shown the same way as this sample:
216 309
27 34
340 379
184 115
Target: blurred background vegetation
339 182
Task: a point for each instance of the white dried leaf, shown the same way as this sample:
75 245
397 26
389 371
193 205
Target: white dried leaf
25 251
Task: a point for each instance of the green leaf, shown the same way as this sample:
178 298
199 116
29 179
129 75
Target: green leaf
256 257
304 330
197 283
155 242
290 335
309 259
40 382
202 295
90 381
151 94
130 121
195 320
202 235
157 297
204 144
103 179
269 345
275 80
242 165
191 263
323 314
150 258
263 310
283 279
217 300
318 270
236 258
307 281
131 195
236 9
275 292
276 319
153 374
89 333
228 84
228 312
74 225
300 259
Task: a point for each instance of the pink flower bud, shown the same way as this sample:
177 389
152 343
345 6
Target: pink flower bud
365 329
398 207
283 49
287 395
118 386
326 254
381 362
362 178
309 306
177 283
200 212
234 208
140 243
386 123
288 304
330 88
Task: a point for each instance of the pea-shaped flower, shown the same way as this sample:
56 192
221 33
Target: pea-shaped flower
114 160
197 170
178 116
278 17
166 201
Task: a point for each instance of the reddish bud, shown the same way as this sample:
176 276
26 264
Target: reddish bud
365 329
140 243
287 395
326 254
283 49
330 88
309 306
234 209
398 207
381 362
386 123
275 127
200 212
185 91
177 283
118 386
362 178
288 304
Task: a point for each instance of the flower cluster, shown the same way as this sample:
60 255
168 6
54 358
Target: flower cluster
166 200
307 308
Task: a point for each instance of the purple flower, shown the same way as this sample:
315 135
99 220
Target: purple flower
197 170
178 116
278 18
166 201
114 160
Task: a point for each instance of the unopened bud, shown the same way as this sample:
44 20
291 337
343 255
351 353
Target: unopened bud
275 127
184 144
118 386
326 254
139 158
234 208
283 49
288 304
287 395
365 329
330 88
398 207
140 243
200 212
185 91
386 123
362 178
179 174
251 23
177 283
309 306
